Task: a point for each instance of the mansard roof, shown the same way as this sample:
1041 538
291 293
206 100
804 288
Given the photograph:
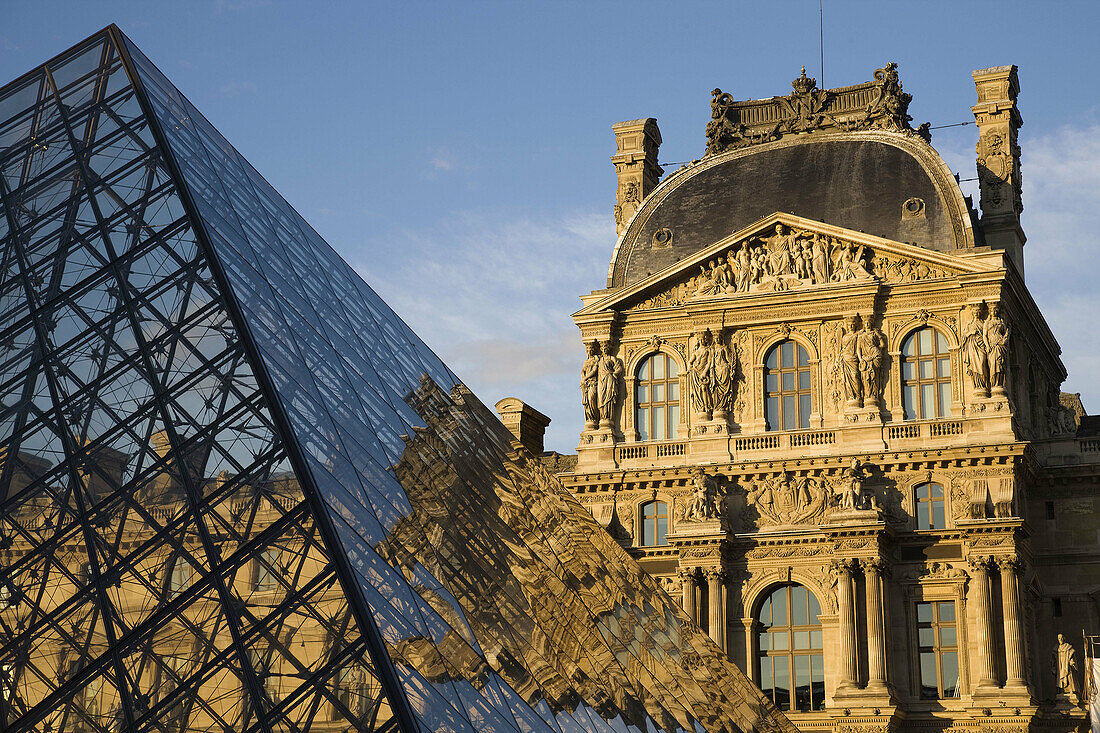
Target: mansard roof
891 184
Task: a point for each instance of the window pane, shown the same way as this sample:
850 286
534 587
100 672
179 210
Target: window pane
766 676
924 612
907 370
673 419
642 423
815 639
772 359
659 423
925 637
802 640
924 517
927 403
941 343
926 369
659 367
779 607
672 369
803 357
909 399
765 644
945 399
787 354
643 371
929 687
947 636
662 530
938 520
944 368
946 611
765 616
779 640
804 411
782 683
772 413
788 382
673 391
771 383
790 412
658 393
803 380
648 533
922 491
799 607
907 347
802 682
643 394
926 341
950 663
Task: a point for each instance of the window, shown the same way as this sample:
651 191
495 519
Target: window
658 398
180 577
787 387
925 375
938 651
266 582
789 653
930 511
654 524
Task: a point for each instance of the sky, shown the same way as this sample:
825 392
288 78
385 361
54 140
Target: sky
458 154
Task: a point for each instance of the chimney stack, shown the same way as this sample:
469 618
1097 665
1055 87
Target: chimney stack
999 122
635 161
526 423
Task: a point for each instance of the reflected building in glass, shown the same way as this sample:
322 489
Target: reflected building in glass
238 493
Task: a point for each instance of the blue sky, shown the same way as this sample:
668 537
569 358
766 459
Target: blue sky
457 154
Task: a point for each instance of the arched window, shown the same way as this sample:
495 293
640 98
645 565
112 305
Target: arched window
787 387
654 524
658 398
790 658
925 375
930 507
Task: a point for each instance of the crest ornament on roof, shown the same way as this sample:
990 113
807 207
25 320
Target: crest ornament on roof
880 104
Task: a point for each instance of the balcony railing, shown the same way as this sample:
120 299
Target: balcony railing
642 451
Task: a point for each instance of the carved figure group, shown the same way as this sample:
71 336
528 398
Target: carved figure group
862 360
788 258
849 492
788 500
985 350
712 369
603 386
707 500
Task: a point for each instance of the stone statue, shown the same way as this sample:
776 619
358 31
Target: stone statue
706 501
871 344
744 266
610 392
1065 668
850 490
976 351
702 375
723 379
590 391
779 244
849 361
819 261
996 334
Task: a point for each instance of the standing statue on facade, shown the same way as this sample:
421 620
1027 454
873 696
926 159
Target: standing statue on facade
871 345
996 341
849 361
707 502
590 389
1065 668
611 379
850 492
724 367
976 351
702 375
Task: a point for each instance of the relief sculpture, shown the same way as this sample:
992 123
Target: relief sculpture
713 375
603 386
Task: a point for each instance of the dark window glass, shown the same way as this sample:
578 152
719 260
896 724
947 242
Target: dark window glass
930 507
925 375
657 398
937 650
654 524
787 387
789 649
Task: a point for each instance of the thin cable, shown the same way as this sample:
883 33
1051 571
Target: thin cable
821 39
954 124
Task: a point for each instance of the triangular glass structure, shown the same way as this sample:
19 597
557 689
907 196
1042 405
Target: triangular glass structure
237 493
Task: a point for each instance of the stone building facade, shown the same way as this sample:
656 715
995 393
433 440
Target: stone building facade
823 409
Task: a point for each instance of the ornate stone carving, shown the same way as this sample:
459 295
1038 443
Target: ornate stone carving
787 500
629 199
861 363
976 350
996 340
611 385
879 104
590 397
849 491
708 501
713 371
701 374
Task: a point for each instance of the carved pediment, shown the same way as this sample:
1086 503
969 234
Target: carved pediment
783 253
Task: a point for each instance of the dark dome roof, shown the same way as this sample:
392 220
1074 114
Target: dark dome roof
858 181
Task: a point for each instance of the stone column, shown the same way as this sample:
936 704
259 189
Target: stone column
1014 647
876 637
983 611
846 613
716 589
961 635
749 624
687 578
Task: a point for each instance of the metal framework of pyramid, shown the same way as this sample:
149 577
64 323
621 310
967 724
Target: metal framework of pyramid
237 493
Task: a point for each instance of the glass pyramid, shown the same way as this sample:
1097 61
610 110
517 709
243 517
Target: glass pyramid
237 493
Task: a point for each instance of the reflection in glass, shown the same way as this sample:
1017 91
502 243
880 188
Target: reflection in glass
789 650
787 387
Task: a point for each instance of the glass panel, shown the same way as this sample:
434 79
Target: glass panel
907 346
779 640
643 394
909 402
788 382
649 532
802 640
787 350
949 661
922 491
941 343
779 607
803 380
804 411
947 636
772 360
943 370
764 641
673 419
790 412
662 529
765 615
772 413
938 520
803 357
673 370
815 640
659 423
815 608
782 682
925 637
659 367
907 370
799 606
944 393
643 370
642 423
673 391
927 400
929 686
802 682
771 382
658 393
926 341
924 515
924 612
946 611
767 685
926 369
